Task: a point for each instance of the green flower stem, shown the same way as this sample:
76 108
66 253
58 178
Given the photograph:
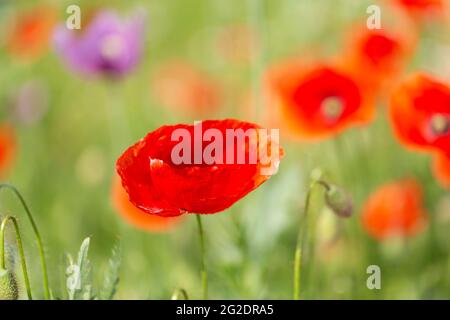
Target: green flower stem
301 238
202 254
37 234
180 292
21 252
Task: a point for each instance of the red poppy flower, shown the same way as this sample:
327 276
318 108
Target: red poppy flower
31 32
158 184
317 101
441 169
236 43
394 209
377 56
420 113
135 216
182 87
7 148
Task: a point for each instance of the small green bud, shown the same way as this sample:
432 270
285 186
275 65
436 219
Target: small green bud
8 285
339 201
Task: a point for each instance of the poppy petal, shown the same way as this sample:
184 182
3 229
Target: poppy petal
7 148
381 53
420 113
441 169
132 167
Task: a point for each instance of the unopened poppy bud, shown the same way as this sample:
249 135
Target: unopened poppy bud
8 285
339 201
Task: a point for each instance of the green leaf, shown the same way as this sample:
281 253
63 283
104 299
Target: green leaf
111 278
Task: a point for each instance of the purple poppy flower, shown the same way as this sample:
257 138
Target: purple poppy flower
108 46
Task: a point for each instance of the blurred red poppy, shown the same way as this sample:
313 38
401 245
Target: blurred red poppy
159 185
7 148
441 169
318 100
420 9
420 113
135 216
182 87
30 32
377 56
394 209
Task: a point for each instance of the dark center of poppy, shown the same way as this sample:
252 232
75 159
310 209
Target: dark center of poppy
440 124
332 107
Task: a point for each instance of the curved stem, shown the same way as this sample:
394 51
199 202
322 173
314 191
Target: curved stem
301 236
21 252
202 254
37 234
180 292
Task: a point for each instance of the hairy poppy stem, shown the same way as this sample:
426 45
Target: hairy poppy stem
180 292
37 234
21 252
301 238
202 254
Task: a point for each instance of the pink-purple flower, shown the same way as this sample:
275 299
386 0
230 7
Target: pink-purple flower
108 46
